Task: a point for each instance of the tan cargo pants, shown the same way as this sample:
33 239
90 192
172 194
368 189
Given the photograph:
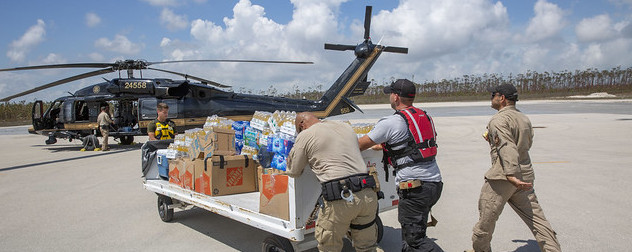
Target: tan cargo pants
105 133
336 216
494 195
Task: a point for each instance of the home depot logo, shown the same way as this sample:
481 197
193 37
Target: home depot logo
234 176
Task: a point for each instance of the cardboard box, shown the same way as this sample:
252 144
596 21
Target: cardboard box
215 143
175 166
224 175
274 199
181 172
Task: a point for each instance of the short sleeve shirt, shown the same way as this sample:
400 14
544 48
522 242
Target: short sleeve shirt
393 129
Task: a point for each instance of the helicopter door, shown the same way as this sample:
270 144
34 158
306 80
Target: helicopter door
36 115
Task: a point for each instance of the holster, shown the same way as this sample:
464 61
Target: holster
334 189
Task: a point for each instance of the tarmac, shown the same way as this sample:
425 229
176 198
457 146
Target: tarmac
57 198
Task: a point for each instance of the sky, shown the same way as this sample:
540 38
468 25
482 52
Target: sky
446 39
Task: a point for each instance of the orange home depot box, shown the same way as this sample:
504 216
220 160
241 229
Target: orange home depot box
274 197
175 166
224 175
181 172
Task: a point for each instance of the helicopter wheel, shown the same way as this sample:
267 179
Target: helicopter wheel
127 140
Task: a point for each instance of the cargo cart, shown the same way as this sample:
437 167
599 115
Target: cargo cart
295 234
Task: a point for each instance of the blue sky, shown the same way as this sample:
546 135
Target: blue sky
446 38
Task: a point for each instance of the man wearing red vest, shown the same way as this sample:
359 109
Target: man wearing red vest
408 139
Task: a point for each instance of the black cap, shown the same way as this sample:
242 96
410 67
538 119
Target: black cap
509 91
402 87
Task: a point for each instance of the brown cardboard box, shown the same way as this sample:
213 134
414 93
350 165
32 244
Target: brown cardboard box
175 166
214 143
186 175
274 197
224 175
181 172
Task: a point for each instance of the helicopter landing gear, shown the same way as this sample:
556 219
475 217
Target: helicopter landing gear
51 140
90 142
127 140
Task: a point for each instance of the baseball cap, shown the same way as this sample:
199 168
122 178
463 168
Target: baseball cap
509 91
402 87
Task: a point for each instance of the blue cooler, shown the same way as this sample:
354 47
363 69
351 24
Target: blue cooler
163 163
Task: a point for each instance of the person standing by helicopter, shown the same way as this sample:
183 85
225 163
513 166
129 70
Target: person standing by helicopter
104 120
161 128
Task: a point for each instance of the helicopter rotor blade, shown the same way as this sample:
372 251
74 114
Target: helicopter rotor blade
367 22
395 49
59 82
192 77
235 61
74 65
339 47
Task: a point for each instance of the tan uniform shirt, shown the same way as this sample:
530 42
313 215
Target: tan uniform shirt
104 119
331 150
510 136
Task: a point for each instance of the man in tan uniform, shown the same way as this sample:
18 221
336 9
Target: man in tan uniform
331 150
510 179
104 122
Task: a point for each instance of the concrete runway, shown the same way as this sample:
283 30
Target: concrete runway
56 198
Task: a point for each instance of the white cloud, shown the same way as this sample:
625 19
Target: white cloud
165 42
547 22
96 57
598 28
162 2
92 19
31 38
119 44
53 58
247 33
172 21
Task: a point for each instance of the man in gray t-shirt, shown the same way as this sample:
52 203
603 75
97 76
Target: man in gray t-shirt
393 129
418 180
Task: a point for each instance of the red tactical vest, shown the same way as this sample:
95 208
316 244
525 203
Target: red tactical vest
421 144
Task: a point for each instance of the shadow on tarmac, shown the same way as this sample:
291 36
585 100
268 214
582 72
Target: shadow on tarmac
222 229
219 228
530 245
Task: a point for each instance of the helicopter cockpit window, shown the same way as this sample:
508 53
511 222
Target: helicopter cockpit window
66 114
148 108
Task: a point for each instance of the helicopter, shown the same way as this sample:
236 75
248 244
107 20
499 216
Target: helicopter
134 99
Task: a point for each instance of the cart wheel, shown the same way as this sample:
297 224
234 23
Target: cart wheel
127 140
380 228
275 243
165 213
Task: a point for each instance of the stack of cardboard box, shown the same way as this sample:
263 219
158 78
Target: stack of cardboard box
212 167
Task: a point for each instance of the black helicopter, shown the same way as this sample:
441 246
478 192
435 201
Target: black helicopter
134 100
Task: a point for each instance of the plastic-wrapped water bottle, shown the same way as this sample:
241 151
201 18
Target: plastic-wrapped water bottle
240 127
251 137
280 162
